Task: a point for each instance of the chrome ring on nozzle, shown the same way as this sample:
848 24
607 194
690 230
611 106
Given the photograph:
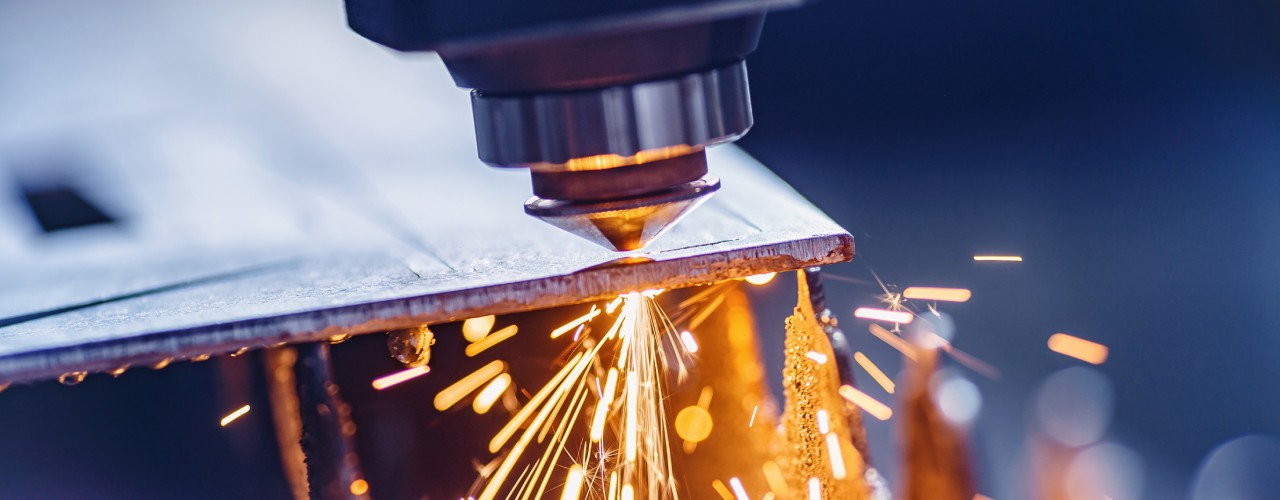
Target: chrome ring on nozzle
547 129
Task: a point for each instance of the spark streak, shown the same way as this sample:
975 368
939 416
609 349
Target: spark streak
867 403
1076 347
572 483
234 415
894 341
739 492
490 340
689 343
449 396
943 294
883 315
885 382
997 258
597 421
563 329
610 385
633 386
629 420
721 489
491 393
384 382
838 469
500 439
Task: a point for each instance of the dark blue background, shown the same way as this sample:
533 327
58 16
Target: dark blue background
1129 150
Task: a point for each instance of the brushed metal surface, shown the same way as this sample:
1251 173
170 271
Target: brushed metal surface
274 178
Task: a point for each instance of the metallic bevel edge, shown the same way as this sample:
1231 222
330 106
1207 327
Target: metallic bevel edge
591 284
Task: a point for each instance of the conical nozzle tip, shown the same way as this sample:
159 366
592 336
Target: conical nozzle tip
625 226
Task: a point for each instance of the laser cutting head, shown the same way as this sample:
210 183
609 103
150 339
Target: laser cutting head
610 104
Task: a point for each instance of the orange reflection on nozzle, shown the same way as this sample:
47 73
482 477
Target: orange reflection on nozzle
1076 347
607 161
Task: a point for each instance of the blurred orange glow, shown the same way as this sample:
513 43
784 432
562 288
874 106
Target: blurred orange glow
359 487
693 424
475 329
777 482
760 279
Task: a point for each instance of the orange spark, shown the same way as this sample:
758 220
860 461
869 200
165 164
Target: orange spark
490 340
1076 347
997 258
386 381
234 415
575 323
883 315
572 483
894 341
871 368
452 394
867 403
490 394
690 344
944 294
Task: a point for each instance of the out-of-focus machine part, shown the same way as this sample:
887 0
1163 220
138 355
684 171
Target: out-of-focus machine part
610 104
